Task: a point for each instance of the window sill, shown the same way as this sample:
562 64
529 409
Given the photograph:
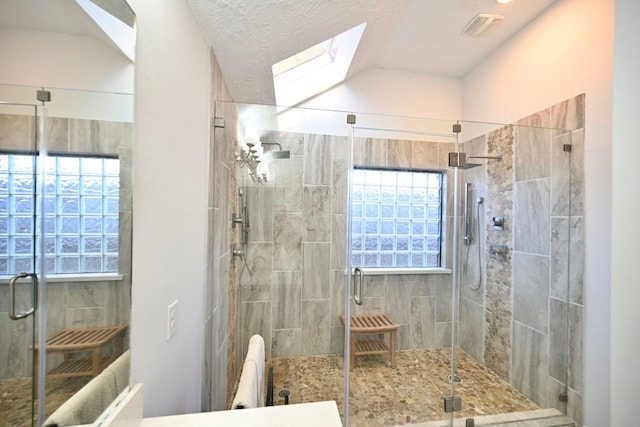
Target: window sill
396 271
57 278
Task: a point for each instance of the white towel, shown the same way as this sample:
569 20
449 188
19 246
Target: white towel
247 394
250 393
255 352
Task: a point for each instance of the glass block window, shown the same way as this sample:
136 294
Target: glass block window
81 209
396 218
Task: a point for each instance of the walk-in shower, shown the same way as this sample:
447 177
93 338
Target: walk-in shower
315 213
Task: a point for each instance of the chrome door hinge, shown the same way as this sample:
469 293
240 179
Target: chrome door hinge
452 404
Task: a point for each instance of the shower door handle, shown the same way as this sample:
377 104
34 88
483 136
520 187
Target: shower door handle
12 296
358 277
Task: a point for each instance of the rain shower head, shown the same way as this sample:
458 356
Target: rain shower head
278 154
470 165
473 165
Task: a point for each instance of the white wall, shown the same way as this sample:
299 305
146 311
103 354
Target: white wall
399 93
565 52
170 204
625 292
87 78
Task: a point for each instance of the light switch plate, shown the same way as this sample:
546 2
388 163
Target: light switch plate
172 318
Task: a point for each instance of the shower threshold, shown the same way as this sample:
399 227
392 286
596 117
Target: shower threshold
535 418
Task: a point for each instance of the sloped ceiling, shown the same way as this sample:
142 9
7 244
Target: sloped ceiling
421 36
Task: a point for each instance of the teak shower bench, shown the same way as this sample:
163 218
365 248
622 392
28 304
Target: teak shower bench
79 340
372 324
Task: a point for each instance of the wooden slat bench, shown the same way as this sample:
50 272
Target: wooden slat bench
372 324
79 340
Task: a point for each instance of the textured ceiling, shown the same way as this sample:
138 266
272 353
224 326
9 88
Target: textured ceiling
422 36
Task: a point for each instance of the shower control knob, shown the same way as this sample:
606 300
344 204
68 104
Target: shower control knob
497 222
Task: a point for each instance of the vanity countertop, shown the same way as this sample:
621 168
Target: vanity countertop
316 414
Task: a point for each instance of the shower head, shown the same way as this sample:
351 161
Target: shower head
470 165
473 165
280 154
277 154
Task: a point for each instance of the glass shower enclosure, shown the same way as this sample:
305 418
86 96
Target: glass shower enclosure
466 235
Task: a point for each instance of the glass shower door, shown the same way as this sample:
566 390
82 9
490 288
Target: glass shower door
400 293
20 133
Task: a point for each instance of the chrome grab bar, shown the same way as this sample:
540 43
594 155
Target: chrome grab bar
358 277
12 295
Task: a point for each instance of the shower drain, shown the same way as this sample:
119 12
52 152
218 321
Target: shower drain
456 379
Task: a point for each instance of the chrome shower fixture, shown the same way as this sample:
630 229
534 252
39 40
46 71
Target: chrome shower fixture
250 153
473 165
276 154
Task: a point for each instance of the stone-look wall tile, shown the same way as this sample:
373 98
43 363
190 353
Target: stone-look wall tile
223 192
531 290
221 380
86 295
444 300
425 285
369 152
497 335
292 141
370 305
569 114
422 327
563 243
576 363
125 200
207 386
287 181
336 345
316 280
398 302
286 343
260 211
399 153
477 176
532 151
341 147
255 292
223 302
119 136
317 160
471 337
530 363
378 286
256 319
443 334
56 298
92 317
58 135
287 241
558 340
16 132
337 297
286 302
574 407
317 213
315 327
339 189
531 221
14 347
425 155
87 136
260 261
338 235
567 178
403 337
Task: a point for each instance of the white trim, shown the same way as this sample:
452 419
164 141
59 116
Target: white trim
55 278
396 271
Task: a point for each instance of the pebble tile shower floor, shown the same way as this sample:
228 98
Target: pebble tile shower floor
410 393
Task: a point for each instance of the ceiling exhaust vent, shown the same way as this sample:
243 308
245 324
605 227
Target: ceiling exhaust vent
482 24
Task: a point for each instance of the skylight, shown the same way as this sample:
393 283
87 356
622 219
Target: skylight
315 69
122 35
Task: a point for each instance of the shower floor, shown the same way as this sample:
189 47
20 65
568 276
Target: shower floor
410 393
15 398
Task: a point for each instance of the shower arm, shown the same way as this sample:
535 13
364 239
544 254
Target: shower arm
273 143
485 157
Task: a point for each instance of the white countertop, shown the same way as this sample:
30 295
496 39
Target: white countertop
317 414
